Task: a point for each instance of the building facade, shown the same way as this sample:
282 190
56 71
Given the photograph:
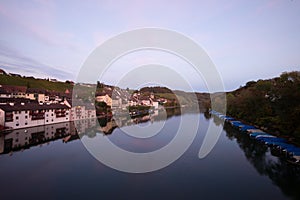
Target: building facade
23 115
80 110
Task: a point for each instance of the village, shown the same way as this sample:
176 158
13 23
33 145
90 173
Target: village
23 107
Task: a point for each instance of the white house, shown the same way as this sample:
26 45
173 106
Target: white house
36 94
133 101
80 110
145 101
104 98
23 115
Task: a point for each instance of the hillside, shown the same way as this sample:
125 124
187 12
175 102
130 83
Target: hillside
271 104
179 97
31 82
186 98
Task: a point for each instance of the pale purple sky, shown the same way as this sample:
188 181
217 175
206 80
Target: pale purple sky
247 40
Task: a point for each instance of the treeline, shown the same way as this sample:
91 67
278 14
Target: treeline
155 89
273 105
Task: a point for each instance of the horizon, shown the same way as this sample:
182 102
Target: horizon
246 41
139 88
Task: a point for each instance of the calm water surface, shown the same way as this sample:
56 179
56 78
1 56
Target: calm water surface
57 166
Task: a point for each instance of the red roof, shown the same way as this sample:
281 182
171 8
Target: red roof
13 89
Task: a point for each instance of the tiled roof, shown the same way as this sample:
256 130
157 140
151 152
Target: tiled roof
36 90
13 88
31 106
144 98
15 100
79 102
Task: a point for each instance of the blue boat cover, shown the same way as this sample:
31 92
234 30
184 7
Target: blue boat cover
247 127
254 134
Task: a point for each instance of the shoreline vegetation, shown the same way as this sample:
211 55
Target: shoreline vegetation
272 105
279 146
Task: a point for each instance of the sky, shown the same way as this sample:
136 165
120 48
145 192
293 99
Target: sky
246 40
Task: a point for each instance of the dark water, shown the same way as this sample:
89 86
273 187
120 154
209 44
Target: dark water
52 163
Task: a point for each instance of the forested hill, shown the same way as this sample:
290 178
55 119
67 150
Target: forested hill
272 104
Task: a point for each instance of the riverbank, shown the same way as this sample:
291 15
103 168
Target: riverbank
283 146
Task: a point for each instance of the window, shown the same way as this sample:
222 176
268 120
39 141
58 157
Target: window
52 114
26 116
17 124
26 111
25 123
52 120
17 117
47 120
46 115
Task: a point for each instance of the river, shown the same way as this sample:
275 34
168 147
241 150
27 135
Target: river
51 162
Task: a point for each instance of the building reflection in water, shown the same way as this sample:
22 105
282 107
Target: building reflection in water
267 163
22 139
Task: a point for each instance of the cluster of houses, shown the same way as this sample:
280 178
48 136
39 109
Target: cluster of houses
40 95
121 99
22 107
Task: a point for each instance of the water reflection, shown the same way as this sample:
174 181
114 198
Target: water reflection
68 164
22 139
283 174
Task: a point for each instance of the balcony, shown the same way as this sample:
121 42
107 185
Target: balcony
60 115
9 119
38 116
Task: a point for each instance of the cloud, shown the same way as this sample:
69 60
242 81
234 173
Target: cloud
39 22
15 61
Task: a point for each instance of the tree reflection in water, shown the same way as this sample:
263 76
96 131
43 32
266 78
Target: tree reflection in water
282 173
